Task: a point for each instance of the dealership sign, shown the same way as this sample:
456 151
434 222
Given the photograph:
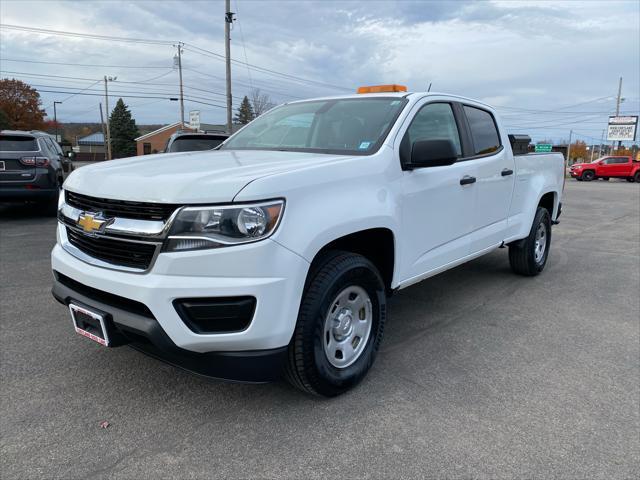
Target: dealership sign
194 119
622 128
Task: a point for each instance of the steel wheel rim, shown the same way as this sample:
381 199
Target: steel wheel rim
540 246
347 326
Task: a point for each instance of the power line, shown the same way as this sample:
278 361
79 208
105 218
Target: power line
209 53
244 47
85 35
21 60
194 48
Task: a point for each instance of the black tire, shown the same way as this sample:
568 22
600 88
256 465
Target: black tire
308 367
636 177
522 254
630 180
606 179
588 175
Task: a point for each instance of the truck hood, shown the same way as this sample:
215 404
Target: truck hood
191 177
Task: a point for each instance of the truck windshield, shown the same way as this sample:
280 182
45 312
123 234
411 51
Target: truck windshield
354 126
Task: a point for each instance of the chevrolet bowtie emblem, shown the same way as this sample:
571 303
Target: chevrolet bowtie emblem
93 222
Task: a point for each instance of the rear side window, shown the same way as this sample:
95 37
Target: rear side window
18 143
484 132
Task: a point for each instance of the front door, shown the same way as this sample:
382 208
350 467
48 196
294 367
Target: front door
437 210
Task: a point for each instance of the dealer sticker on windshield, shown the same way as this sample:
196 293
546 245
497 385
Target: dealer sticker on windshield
364 145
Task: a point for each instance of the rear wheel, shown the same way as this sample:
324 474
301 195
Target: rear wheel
588 175
606 179
529 256
339 327
630 180
636 177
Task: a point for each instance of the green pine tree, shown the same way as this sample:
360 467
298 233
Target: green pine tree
245 112
123 131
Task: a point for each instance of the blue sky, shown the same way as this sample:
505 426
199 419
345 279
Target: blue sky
529 59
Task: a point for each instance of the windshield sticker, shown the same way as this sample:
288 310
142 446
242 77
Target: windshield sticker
364 145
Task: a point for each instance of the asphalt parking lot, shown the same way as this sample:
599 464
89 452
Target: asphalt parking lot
481 374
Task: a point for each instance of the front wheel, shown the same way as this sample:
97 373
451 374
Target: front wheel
588 176
529 256
606 179
630 180
636 177
339 326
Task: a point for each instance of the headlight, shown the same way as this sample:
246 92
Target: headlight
196 228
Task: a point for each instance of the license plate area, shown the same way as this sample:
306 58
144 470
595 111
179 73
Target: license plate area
90 323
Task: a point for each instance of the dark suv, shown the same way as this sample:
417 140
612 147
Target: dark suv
193 142
32 168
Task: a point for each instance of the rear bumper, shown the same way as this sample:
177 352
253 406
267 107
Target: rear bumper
23 193
142 331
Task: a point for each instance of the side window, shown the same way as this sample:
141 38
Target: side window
43 145
484 132
435 121
56 147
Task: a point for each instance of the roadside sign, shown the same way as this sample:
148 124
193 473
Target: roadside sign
543 147
622 128
194 119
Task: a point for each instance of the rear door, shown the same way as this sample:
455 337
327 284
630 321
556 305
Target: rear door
12 149
495 173
620 167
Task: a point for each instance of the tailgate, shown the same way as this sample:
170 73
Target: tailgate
11 170
12 148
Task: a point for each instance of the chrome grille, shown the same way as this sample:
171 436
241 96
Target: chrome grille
120 208
114 251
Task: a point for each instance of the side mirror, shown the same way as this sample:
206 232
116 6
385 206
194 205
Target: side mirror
432 153
71 155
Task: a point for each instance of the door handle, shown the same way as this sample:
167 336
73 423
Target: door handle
506 172
467 179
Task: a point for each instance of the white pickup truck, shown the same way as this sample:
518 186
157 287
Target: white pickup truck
275 254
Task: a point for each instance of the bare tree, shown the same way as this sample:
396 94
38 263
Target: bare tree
261 102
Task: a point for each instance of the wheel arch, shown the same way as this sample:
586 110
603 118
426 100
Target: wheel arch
376 244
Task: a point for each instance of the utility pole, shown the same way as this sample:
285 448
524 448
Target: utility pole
601 143
618 101
104 134
569 147
228 20
55 118
179 45
106 99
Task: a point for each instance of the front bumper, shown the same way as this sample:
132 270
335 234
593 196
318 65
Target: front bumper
143 332
265 270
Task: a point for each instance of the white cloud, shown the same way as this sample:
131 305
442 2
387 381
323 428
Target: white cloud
532 55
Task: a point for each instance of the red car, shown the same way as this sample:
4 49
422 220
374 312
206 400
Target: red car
606 168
